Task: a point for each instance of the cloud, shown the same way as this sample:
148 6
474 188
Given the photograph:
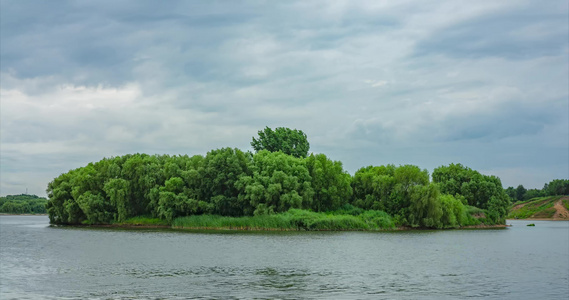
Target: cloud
370 82
529 30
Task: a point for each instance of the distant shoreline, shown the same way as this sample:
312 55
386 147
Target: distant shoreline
6 214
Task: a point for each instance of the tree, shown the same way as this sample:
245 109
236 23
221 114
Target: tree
20 204
218 173
174 201
330 182
511 192
407 177
557 187
289 141
520 192
372 186
533 193
454 212
118 191
278 183
425 209
477 188
497 209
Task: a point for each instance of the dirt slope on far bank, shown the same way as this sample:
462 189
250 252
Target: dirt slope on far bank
545 208
561 211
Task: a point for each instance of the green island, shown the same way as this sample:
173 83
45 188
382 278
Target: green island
23 204
279 187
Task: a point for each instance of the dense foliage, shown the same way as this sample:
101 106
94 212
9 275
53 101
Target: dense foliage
231 183
23 204
286 140
553 188
474 189
406 193
225 182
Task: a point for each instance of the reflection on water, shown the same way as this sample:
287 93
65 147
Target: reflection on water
42 262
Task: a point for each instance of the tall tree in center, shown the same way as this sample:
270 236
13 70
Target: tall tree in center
286 140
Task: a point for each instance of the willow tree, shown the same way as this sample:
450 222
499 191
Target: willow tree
218 173
278 183
331 184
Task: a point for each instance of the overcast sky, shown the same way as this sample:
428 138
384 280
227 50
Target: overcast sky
482 83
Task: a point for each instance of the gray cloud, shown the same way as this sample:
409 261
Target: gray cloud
530 30
370 82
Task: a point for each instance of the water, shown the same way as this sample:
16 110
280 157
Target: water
42 262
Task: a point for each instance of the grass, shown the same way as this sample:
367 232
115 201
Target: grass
541 207
269 222
546 213
143 220
344 219
294 219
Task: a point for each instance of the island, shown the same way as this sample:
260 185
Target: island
279 187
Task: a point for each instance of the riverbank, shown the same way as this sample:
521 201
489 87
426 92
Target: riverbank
554 208
292 220
205 228
295 220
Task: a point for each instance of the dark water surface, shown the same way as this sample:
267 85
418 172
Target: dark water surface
520 262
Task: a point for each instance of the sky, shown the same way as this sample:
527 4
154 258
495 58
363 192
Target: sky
428 83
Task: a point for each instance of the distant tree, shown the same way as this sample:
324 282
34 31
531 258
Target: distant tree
23 204
511 192
533 193
557 187
520 192
289 141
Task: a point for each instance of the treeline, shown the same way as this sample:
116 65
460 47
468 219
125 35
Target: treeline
554 188
230 182
23 204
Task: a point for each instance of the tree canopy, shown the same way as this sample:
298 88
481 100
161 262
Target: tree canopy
289 141
553 188
476 189
23 204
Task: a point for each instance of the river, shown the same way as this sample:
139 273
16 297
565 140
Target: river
520 262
